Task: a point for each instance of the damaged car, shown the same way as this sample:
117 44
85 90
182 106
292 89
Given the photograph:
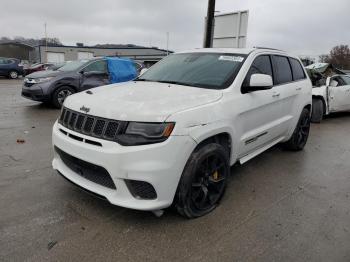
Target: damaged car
331 90
53 86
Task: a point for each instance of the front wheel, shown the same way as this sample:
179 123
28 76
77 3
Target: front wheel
60 95
301 132
13 74
203 181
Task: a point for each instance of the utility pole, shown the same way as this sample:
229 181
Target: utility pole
45 43
209 24
167 43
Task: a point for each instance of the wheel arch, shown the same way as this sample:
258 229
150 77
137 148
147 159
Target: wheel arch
221 135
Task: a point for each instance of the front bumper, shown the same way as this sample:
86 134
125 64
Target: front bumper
159 164
34 92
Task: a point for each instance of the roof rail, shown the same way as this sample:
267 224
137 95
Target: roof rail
269 48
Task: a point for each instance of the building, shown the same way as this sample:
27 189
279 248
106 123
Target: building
20 51
57 54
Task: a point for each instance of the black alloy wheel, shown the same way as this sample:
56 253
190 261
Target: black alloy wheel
203 181
301 132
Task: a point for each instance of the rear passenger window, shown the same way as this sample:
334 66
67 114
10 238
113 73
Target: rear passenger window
261 65
283 72
298 72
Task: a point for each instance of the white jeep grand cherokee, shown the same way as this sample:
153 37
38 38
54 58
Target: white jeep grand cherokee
170 136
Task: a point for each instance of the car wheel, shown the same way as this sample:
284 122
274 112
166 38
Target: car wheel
13 74
301 132
317 110
203 181
60 95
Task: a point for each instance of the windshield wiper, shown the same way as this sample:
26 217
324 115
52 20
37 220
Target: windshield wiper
142 79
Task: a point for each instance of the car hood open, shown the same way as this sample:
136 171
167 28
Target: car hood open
140 101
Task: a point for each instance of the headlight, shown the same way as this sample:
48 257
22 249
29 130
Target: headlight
38 80
138 133
43 79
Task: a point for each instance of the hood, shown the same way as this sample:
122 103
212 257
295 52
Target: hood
141 101
46 73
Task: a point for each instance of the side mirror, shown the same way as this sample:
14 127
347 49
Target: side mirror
143 70
259 82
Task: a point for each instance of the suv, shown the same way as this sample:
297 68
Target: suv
53 87
170 136
10 68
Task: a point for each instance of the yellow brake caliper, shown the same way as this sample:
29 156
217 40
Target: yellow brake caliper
216 175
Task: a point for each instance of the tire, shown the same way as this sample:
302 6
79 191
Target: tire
13 74
300 134
318 110
60 95
203 181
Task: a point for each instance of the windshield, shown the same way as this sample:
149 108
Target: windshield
205 70
74 65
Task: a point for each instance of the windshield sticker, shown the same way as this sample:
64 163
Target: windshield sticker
232 58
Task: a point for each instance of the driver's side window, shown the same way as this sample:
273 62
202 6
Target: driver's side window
337 81
261 65
98 66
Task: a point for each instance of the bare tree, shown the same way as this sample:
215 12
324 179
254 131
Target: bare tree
339 57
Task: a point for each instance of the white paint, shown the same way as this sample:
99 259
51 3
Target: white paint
335 95
198 113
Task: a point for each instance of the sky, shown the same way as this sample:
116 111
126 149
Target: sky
304 27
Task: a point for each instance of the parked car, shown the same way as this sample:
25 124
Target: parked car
38 67
332 97
331 90
54 86
10 67
170 136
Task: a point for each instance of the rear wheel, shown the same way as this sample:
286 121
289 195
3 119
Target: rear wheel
318 110
203 181
60 95
301 132
13 74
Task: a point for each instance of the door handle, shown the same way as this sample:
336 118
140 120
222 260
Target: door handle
276 95
298 88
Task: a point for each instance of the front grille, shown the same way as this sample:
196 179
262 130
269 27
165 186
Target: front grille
141 189
89 171
99 127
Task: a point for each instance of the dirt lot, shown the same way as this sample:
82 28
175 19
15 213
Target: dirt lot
280 206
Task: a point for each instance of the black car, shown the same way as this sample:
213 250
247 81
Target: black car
53 86
10 67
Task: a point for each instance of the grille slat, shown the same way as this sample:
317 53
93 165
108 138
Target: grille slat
90 125
79 123
99 126
111 130
72 120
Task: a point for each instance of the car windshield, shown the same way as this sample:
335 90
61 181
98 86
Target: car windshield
74 65
204 70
